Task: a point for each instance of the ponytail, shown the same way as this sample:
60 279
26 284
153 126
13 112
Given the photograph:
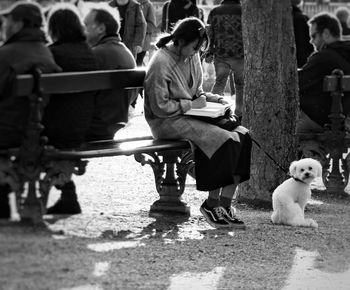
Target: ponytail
163 41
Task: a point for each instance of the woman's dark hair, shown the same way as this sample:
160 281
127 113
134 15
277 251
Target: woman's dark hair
189 30
65 24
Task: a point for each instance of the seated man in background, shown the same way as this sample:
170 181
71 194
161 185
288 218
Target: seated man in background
24 48
330 53
111 106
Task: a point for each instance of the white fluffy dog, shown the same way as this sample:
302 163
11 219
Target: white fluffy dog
290 198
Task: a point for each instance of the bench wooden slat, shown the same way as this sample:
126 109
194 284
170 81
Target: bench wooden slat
80 81
119 148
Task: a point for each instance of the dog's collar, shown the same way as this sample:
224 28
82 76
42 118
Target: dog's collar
299 180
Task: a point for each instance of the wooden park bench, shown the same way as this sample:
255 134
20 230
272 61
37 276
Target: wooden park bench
34 167
331 146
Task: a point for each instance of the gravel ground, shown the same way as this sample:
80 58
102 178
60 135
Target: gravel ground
115 244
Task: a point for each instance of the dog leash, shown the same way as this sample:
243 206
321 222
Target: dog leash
269 155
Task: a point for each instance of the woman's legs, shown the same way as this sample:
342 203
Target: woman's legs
228 194
214 198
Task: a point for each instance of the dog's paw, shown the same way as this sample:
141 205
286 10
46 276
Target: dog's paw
15 217
312 223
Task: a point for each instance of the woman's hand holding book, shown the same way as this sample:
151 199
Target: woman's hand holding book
199 102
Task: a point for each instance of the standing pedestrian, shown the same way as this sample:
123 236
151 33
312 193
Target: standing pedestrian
175 10
301 33
150 16
133 25
226 48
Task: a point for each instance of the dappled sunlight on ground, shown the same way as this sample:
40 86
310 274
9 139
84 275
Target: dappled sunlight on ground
304 275
196 281
117 245
101 268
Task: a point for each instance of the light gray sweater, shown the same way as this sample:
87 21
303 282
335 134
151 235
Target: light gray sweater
168 96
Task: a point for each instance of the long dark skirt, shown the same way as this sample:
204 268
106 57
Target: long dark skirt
231 159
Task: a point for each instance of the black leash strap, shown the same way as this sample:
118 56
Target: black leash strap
268 155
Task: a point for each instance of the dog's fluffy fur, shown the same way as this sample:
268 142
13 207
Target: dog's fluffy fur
290 198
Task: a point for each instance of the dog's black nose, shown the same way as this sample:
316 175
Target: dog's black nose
307 174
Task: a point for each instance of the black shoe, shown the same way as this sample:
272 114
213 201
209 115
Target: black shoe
214 216
65 206
231 218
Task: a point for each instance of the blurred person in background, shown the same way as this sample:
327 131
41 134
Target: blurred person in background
330 53
133 25
111 106
24 48
343 13
150 16
67 118
175 10
301 33
1 33
226 48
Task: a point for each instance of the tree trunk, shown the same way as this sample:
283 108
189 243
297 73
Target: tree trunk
271 94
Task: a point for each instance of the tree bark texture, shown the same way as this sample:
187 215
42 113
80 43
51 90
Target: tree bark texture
270 93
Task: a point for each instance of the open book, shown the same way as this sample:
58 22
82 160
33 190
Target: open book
212 110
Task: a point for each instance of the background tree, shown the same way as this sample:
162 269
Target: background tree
271 94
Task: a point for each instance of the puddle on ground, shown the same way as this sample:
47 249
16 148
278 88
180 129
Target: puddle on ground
195 281
101 268
304 275
117 245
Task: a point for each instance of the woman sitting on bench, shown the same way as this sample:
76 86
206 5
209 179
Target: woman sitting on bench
66 118
173 85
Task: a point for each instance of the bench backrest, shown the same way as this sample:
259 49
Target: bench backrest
74 82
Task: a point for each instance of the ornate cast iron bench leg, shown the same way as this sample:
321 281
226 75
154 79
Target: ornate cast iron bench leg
166 166
330 154
335 182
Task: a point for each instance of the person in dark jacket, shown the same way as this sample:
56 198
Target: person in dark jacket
67 118
1 36
226 48
175 10
150 16
133 24
330 53
111 106
301 33
23 49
